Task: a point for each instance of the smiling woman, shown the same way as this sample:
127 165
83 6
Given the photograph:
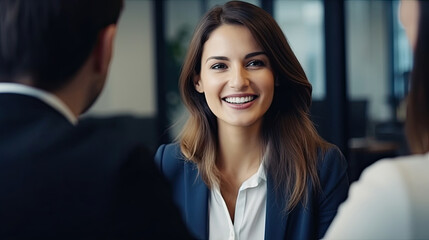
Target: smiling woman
239 84
249 163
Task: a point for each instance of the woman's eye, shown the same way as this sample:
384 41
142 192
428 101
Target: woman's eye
255 63
218 66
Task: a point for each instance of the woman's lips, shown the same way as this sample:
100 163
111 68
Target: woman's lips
240 101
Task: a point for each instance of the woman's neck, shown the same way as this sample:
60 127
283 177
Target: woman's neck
240 150
239 157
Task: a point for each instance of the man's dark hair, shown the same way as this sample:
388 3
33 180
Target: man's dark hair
49 40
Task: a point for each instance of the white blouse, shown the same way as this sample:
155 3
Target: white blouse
390 201
249 219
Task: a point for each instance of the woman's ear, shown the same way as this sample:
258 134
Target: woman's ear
198 84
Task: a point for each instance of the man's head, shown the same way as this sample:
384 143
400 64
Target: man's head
48 41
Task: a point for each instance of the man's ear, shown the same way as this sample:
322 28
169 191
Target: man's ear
104 49
198 84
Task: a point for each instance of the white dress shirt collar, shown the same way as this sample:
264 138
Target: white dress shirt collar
250 210
44 96
256 179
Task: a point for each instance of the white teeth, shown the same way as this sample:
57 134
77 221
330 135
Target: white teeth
239 100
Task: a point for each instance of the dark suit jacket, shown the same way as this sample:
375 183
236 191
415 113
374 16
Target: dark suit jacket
310 222
90 181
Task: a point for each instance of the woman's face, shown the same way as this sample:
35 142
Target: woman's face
236 77
409 16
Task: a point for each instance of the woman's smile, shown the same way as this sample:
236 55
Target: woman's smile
236 77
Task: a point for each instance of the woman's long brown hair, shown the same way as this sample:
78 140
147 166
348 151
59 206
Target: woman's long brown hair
287 130
417 123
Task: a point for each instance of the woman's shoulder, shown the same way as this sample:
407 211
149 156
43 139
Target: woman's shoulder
170 159
380 182
396 177
331 160
384 175
407 169
409 172
333 176
330 152
171 150
418 163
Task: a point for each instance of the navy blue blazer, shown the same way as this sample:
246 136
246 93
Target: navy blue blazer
310 222
94 180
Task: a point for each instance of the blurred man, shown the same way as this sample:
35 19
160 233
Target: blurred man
60 178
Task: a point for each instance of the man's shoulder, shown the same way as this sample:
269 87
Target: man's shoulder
117 130
106 140
121 125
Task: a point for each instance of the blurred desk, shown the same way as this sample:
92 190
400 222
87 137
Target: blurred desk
370 145
365 151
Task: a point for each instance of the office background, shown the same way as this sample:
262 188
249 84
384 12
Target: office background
354 53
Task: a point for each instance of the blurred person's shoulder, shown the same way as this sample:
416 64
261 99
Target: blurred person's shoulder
124 128
409 169
117 135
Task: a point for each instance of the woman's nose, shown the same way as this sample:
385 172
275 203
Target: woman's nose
239 80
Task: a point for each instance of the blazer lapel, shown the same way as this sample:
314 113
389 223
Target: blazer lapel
196 202
276 219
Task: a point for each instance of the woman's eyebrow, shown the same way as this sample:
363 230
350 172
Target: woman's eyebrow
254 54
217 58
249 55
